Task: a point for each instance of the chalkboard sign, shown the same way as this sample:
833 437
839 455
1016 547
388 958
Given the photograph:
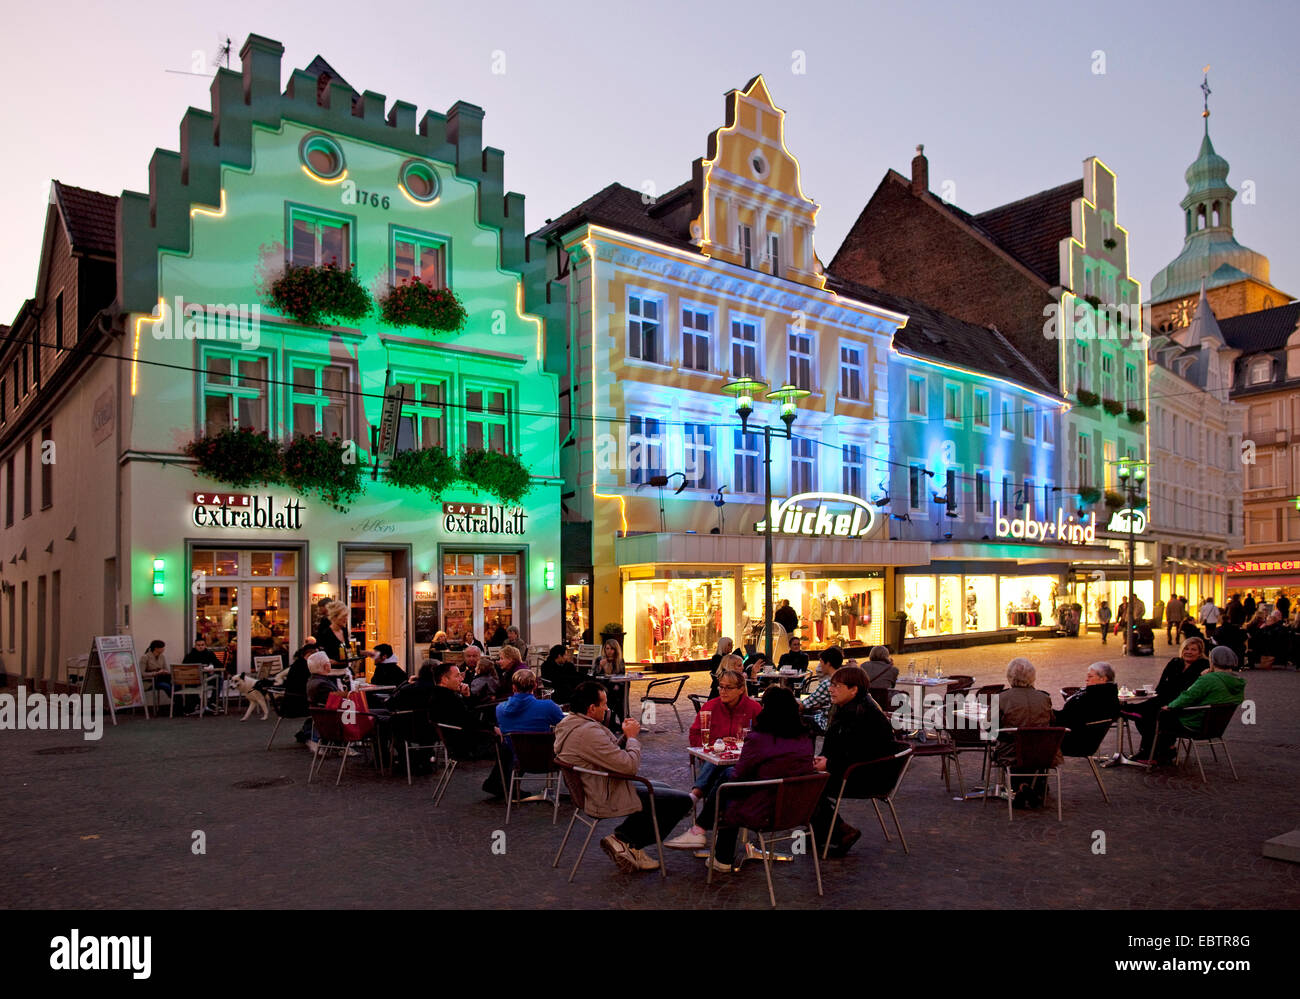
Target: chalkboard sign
426 619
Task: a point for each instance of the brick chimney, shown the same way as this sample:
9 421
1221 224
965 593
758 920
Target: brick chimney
920 172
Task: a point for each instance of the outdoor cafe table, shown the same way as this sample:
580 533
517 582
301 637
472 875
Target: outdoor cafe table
1127 698
914 686
784 677
625 680
701 754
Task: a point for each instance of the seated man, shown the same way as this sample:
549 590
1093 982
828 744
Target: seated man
450 706
1097 701
1218 685
525 711
795 657
1022 706
582 740
415 696
816 705
560 672
201 654
388 671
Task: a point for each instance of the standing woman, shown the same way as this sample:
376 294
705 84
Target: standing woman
1103 615
1180 673
332 634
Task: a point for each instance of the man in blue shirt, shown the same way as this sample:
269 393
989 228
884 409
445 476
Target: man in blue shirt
524 711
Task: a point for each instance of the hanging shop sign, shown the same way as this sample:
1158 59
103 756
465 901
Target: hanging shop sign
811 514
1064 529
482 518
245 510
1128 521
1282 565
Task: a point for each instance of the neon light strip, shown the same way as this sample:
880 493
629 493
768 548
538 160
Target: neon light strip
321 180
135 349
209 211
622 502
1065 404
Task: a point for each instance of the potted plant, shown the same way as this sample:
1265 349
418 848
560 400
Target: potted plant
1089 494
415 303
896 629
312 294
1136 415
325 467
1113 406
238 457
429 468
615 631
1087 398
1114 500
502 475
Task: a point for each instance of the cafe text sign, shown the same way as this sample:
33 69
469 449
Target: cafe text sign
482 518
245 510
811 514
1064 529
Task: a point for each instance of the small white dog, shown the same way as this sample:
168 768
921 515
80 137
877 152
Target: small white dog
256 699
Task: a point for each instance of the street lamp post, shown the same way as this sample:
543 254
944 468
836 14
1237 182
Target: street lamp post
744 390
1137 472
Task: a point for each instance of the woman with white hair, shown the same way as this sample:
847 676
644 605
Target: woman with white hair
1022 707
1097 701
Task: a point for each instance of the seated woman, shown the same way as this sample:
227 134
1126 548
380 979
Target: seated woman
729 713
485 682
881 671
511 659
1022 706
777 747
560 672
1218 685
153 665
611 663
858 732
1180 673
1097 701
439 643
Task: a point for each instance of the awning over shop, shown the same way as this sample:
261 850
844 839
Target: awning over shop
731 549
986 550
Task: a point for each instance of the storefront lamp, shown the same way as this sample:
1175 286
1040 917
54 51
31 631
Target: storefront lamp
787 394
157 577
550 575
744 389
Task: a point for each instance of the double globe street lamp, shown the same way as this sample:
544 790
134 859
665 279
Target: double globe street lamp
744 390
1132 476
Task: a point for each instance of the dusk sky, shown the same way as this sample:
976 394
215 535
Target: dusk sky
1005 97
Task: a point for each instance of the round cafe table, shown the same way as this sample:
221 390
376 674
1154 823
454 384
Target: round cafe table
916 687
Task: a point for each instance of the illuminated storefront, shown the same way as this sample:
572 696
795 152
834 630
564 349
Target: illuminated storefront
1266 576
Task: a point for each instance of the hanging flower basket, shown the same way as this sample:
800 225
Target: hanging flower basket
1113 406
1089 494
1087 398
1114 500
502 475
1136 415
328 468
415 303
312 294
429 469
238 457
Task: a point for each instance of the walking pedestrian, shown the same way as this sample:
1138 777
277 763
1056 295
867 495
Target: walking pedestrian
1103 615
1175 610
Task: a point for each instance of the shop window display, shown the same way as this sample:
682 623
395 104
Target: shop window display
952 606
1028 601
844 610
677 619
919 605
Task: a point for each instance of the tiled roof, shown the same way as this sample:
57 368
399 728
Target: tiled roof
90 218
1267 329
1032 228
622 208
938 336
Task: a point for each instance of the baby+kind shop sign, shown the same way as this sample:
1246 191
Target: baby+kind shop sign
1063 529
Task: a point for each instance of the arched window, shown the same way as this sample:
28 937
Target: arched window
1188 214
1214 214
1200 217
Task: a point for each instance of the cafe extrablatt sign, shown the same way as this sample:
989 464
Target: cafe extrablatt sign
482 518
246 510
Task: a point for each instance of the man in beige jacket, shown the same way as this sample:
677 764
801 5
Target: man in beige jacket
583 740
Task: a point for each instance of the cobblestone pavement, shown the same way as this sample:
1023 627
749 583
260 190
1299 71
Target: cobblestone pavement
110 824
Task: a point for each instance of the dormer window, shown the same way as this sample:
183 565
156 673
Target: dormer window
1260 371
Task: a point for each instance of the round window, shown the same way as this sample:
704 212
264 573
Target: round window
321 155
758 164
419 180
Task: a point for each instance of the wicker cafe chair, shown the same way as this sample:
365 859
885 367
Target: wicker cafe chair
1035 751
796 801
534 759
573 780
1217 717
1090 740
670 688
883 776
188 678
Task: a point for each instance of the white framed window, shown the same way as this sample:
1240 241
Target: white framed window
1260 474
1261 371
1107 376
980 409
697 446
1085 460
644 327
952 414
236 387
745 240
746 449
1049 433
774 252
853 458
917 481
801 360
645 449
697 337
318 399
982 476
803 465
1008 418
1082 372
1029 422
423 422
851 372
915 395
1131 394
744 347
487 418
419 257
318 238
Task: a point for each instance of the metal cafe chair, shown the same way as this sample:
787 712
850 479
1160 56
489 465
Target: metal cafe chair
418 733
796 801
286 705
534 759
457 749
573 780
333 739
1035 751
670 689
1217 717
883 777
1087 746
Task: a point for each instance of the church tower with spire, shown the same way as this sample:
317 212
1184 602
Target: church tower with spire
1235 277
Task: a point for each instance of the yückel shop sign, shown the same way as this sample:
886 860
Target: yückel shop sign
243 510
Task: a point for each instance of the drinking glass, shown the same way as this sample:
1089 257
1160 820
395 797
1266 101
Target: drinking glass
706 717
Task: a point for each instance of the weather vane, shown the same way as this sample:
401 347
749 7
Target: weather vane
1205 89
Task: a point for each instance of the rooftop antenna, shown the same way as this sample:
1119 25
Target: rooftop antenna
224 53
